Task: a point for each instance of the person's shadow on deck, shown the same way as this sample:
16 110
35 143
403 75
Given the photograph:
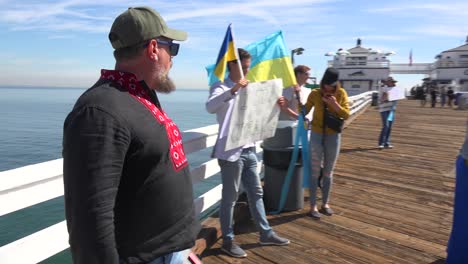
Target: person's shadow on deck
216 251
248 225
359 149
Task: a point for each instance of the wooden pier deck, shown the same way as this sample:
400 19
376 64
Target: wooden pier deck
392 206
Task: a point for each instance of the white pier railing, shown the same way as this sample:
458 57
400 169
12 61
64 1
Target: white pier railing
356 64
414 68
34 184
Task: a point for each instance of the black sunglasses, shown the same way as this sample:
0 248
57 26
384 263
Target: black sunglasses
173 47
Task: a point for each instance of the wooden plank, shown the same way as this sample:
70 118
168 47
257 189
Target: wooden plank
429 202
361 246
435 214
395 237
305 247
390 221
321 235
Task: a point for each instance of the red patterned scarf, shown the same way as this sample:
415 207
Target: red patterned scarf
135 89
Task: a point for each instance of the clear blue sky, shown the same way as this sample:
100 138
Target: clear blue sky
64 43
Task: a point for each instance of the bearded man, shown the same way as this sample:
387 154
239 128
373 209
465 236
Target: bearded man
128 190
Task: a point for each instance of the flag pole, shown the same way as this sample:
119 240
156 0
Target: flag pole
411 57
237 53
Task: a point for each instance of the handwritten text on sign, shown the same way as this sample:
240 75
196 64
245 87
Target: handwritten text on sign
255 113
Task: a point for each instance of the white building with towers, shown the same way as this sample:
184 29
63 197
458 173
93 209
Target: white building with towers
361 69
451 68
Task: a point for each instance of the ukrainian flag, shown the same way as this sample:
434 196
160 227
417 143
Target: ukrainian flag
271 60
227 53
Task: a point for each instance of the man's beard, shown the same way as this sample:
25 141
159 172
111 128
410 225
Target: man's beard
164 82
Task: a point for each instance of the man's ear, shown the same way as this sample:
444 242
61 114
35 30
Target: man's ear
152 50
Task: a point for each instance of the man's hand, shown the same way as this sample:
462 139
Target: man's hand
297 88
241 84
384 97
282 102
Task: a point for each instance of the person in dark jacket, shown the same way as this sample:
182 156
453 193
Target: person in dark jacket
457 246
451 96
433 96
128 190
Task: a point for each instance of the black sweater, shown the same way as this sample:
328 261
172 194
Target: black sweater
124 200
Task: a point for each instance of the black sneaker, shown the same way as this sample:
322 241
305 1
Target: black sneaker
233 250
314 214
273 239
327 211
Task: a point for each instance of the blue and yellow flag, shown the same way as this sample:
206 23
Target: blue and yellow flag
227 53
271 60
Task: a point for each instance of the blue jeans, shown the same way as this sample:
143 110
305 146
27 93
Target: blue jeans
326 156
180 257
245 169
384 138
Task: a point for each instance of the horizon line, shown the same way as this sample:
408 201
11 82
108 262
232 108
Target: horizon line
73 87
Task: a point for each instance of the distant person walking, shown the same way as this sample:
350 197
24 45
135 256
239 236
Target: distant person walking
443 96
426 94
128 189
451 96
421 95
387 112
457 248
433 96
325 141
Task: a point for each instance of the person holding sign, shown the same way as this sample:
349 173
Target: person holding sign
387 112
238 164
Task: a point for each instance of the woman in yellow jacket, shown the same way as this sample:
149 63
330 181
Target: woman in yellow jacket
324 142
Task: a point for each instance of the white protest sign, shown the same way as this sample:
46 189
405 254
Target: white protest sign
255 113
396 93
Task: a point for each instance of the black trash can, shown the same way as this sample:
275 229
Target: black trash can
375 99
277 154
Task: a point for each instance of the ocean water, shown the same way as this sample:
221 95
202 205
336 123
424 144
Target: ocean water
31 122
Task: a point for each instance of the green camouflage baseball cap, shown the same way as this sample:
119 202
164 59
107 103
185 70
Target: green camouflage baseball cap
138 24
